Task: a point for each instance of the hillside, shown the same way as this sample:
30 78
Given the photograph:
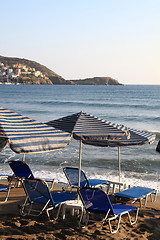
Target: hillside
33 65
23 71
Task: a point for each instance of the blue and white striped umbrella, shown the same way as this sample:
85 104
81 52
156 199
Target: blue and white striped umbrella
97 132
84 127
26 135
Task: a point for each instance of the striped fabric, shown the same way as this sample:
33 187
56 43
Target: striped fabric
136 138
87 127
26 135
95 131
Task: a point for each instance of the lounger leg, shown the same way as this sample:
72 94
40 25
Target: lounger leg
146 200
52 185
153 198
30 208
23 207
156 192
82 213
58 212
140 202
47 211
136 216
7 194
110 227
114 187
104 220
48 214
84 217
108 188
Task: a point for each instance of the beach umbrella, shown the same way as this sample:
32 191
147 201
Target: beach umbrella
26 135
101 133
84 127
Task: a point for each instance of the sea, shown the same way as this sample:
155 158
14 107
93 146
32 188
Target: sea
135 106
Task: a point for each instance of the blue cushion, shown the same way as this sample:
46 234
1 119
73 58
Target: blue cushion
59 197
119 208
94 182
134 193
2 188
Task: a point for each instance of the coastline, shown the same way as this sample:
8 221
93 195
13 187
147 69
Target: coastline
13 226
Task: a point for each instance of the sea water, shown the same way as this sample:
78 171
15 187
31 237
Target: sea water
135 106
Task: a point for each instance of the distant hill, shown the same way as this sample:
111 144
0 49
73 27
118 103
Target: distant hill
97 81
47 76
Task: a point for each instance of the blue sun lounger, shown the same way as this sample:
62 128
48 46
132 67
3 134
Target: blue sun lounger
97 201
137 193
22 170
71 174
38 194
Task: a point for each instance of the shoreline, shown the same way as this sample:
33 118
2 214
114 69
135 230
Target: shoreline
56 172
13 226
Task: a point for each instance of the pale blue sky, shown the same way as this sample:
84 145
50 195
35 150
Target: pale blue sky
85 38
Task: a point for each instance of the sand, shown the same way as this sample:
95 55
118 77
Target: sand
13 226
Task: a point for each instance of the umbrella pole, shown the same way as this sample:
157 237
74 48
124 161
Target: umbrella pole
80 158
119 164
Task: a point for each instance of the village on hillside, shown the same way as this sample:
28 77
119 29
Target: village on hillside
18 72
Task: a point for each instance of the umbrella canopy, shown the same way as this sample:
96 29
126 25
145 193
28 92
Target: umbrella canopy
137 137
26 135
84 127
97 132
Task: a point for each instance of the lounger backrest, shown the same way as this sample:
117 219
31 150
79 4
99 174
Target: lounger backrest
95 200
72 177
38 191
21 169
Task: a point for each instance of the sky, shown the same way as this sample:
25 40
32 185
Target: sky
80 39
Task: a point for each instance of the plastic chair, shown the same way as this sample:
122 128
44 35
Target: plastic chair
97 201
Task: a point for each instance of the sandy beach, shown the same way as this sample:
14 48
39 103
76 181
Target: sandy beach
13 226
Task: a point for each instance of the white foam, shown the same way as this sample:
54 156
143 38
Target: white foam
130 178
